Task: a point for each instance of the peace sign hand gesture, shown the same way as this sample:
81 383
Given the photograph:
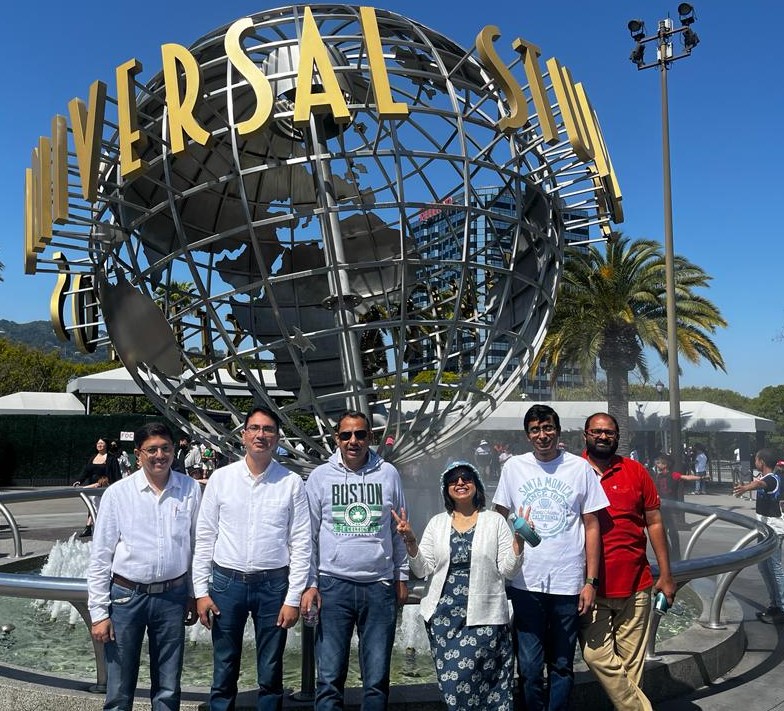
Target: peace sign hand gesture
404 527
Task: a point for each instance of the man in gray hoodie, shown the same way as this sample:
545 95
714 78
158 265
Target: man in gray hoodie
359 566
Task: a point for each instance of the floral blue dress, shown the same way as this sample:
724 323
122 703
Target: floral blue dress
473 663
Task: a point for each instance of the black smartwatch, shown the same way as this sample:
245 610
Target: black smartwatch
592 581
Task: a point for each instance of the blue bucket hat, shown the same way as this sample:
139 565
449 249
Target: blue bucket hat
461 464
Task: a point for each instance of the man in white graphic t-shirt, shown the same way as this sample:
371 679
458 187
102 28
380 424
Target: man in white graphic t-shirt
559 577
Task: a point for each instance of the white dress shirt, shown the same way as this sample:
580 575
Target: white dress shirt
141 535
251 524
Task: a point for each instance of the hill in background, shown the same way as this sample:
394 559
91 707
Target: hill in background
40 335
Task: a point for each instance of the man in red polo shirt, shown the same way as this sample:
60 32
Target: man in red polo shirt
613 636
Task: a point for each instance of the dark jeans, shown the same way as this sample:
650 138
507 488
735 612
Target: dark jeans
260 597
162 617
372 607
546 629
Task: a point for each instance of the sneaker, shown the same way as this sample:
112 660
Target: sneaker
771 616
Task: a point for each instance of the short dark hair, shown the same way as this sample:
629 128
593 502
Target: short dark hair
480 498
537 413
262 410
151 429
601 414
665 458
353 414
768 456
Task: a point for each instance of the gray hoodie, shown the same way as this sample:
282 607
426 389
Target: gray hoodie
354 534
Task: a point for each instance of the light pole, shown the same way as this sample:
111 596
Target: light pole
660 389
664 58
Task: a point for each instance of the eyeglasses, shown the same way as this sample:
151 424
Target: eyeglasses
547 429
152 451
346 435
264 429
455 478
611 434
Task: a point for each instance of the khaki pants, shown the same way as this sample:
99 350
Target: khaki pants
613 639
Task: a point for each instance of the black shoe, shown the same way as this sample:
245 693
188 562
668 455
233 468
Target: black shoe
88 531
771 616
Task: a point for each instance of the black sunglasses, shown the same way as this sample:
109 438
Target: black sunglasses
346 435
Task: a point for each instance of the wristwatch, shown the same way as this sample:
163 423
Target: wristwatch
592 581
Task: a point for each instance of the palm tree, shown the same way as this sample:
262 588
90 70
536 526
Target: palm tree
175 299
612 305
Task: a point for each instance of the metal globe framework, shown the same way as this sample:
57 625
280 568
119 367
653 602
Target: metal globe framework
404 267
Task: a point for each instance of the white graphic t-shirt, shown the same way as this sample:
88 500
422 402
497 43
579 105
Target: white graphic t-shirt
559 492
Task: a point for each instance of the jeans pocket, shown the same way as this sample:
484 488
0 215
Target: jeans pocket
278 586
327 582
220 582
119 595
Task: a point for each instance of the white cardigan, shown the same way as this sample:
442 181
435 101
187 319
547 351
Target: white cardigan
492 560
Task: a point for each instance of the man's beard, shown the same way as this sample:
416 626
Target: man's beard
604 452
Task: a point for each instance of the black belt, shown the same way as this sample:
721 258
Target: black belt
254 577
150 588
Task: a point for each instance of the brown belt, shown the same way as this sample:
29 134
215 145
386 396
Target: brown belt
150 588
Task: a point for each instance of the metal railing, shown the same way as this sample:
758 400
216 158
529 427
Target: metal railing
756 545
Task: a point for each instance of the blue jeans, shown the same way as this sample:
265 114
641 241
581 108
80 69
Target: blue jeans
699 486
261 597
772 574
546 629
162 617
372 607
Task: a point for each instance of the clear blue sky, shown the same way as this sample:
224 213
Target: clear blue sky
724 102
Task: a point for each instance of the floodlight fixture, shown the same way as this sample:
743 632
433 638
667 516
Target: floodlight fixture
686 14
690 39
638 55
636 29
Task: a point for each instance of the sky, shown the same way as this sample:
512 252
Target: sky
724 100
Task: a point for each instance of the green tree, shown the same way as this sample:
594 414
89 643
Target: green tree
612 306
770 403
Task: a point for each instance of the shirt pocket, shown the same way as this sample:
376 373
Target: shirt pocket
625 500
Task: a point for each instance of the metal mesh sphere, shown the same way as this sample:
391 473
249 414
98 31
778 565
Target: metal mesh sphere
404 267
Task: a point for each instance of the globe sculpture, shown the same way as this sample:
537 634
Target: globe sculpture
405 267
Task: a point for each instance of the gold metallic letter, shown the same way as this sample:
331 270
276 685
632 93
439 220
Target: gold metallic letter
386 107
518 115
132 141
181 118
44 187
84 311
530 54
87 127
575 122
57 302
30 260
312 49
255 77
60 170
604 167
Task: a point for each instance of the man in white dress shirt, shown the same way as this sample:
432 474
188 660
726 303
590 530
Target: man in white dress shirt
253 539
138 578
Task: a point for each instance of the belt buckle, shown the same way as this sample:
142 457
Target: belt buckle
156 588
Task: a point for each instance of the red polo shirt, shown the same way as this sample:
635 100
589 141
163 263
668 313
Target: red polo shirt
624 567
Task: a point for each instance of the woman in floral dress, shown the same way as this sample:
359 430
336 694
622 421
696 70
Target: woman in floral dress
466 553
